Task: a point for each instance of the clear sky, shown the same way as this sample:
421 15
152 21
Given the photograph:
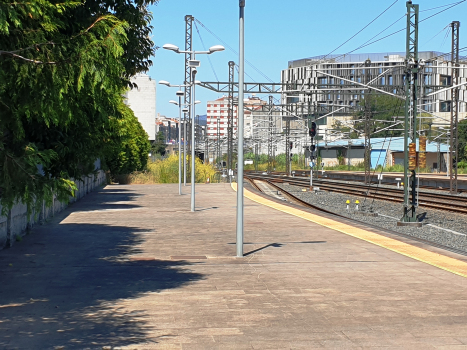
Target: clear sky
279 31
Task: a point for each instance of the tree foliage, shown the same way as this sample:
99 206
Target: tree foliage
63 70
159 144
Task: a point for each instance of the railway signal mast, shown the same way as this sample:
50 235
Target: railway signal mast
410 125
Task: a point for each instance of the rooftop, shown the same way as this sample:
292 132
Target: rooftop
395 144
361 57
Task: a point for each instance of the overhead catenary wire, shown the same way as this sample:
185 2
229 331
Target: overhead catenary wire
233 50
361 30
369 42
204 47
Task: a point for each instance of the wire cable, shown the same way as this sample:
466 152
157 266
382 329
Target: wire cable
233 50
204 46
398 31
361 30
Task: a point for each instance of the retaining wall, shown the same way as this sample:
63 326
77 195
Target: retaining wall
16 223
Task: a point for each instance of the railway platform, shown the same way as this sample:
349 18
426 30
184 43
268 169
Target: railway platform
130 267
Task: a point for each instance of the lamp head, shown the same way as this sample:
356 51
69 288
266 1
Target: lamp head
171 47
216 48
185 110
163 82
179 93
197 101
174 102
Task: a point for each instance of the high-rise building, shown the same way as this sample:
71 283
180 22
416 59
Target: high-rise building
142 100
217 113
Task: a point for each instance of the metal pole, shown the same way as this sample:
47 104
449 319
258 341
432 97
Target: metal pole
179 145
193 170
240 131
454 139
184 148
188 98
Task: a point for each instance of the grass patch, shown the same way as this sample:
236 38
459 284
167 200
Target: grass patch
166 171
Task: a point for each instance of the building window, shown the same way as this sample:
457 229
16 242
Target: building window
390 80
383 81
445 106
445 80
427 106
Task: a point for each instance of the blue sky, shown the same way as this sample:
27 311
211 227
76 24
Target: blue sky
279 31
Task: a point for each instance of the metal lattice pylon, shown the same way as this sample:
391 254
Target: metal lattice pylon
454 137
368 128
410 125
230 116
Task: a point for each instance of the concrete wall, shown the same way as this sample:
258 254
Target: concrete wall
16 222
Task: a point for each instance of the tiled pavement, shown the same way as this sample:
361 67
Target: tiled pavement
115 270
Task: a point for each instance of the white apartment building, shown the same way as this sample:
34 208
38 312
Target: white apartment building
217 114
142 100
333 73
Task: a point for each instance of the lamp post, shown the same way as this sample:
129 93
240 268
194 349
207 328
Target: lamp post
185 110
180 104
193 64
241 77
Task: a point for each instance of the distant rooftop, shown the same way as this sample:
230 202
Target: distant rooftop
361 57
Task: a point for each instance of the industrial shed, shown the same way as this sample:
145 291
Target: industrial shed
384 151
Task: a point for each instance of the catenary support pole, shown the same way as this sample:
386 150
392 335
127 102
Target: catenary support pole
184 147
454 135
241 77
193 127
179 145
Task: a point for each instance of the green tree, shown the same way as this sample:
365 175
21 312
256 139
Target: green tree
385 111
128 149
463 140
159 144
63 70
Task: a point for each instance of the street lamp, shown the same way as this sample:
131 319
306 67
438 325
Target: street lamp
166 83
193 64
180 104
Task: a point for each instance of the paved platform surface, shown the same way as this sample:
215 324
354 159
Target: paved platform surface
131 267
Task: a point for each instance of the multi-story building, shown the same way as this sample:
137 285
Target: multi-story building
338 80
217 114
142 100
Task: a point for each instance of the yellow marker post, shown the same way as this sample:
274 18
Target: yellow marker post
347 202
357 202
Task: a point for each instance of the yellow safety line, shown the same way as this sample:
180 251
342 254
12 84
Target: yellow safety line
441 261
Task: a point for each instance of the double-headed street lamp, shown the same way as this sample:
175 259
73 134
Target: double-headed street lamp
185 110
193 63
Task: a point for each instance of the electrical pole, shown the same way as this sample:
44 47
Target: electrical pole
230 117
367 159
454 137
241 89
187 88
218 146
288 149
270 149
410 125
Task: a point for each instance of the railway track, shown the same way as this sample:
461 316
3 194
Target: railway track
438 201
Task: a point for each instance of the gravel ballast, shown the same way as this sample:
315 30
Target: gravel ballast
440 227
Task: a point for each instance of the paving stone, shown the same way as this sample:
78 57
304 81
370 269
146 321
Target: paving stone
121 268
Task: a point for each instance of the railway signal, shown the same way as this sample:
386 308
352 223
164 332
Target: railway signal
312 129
